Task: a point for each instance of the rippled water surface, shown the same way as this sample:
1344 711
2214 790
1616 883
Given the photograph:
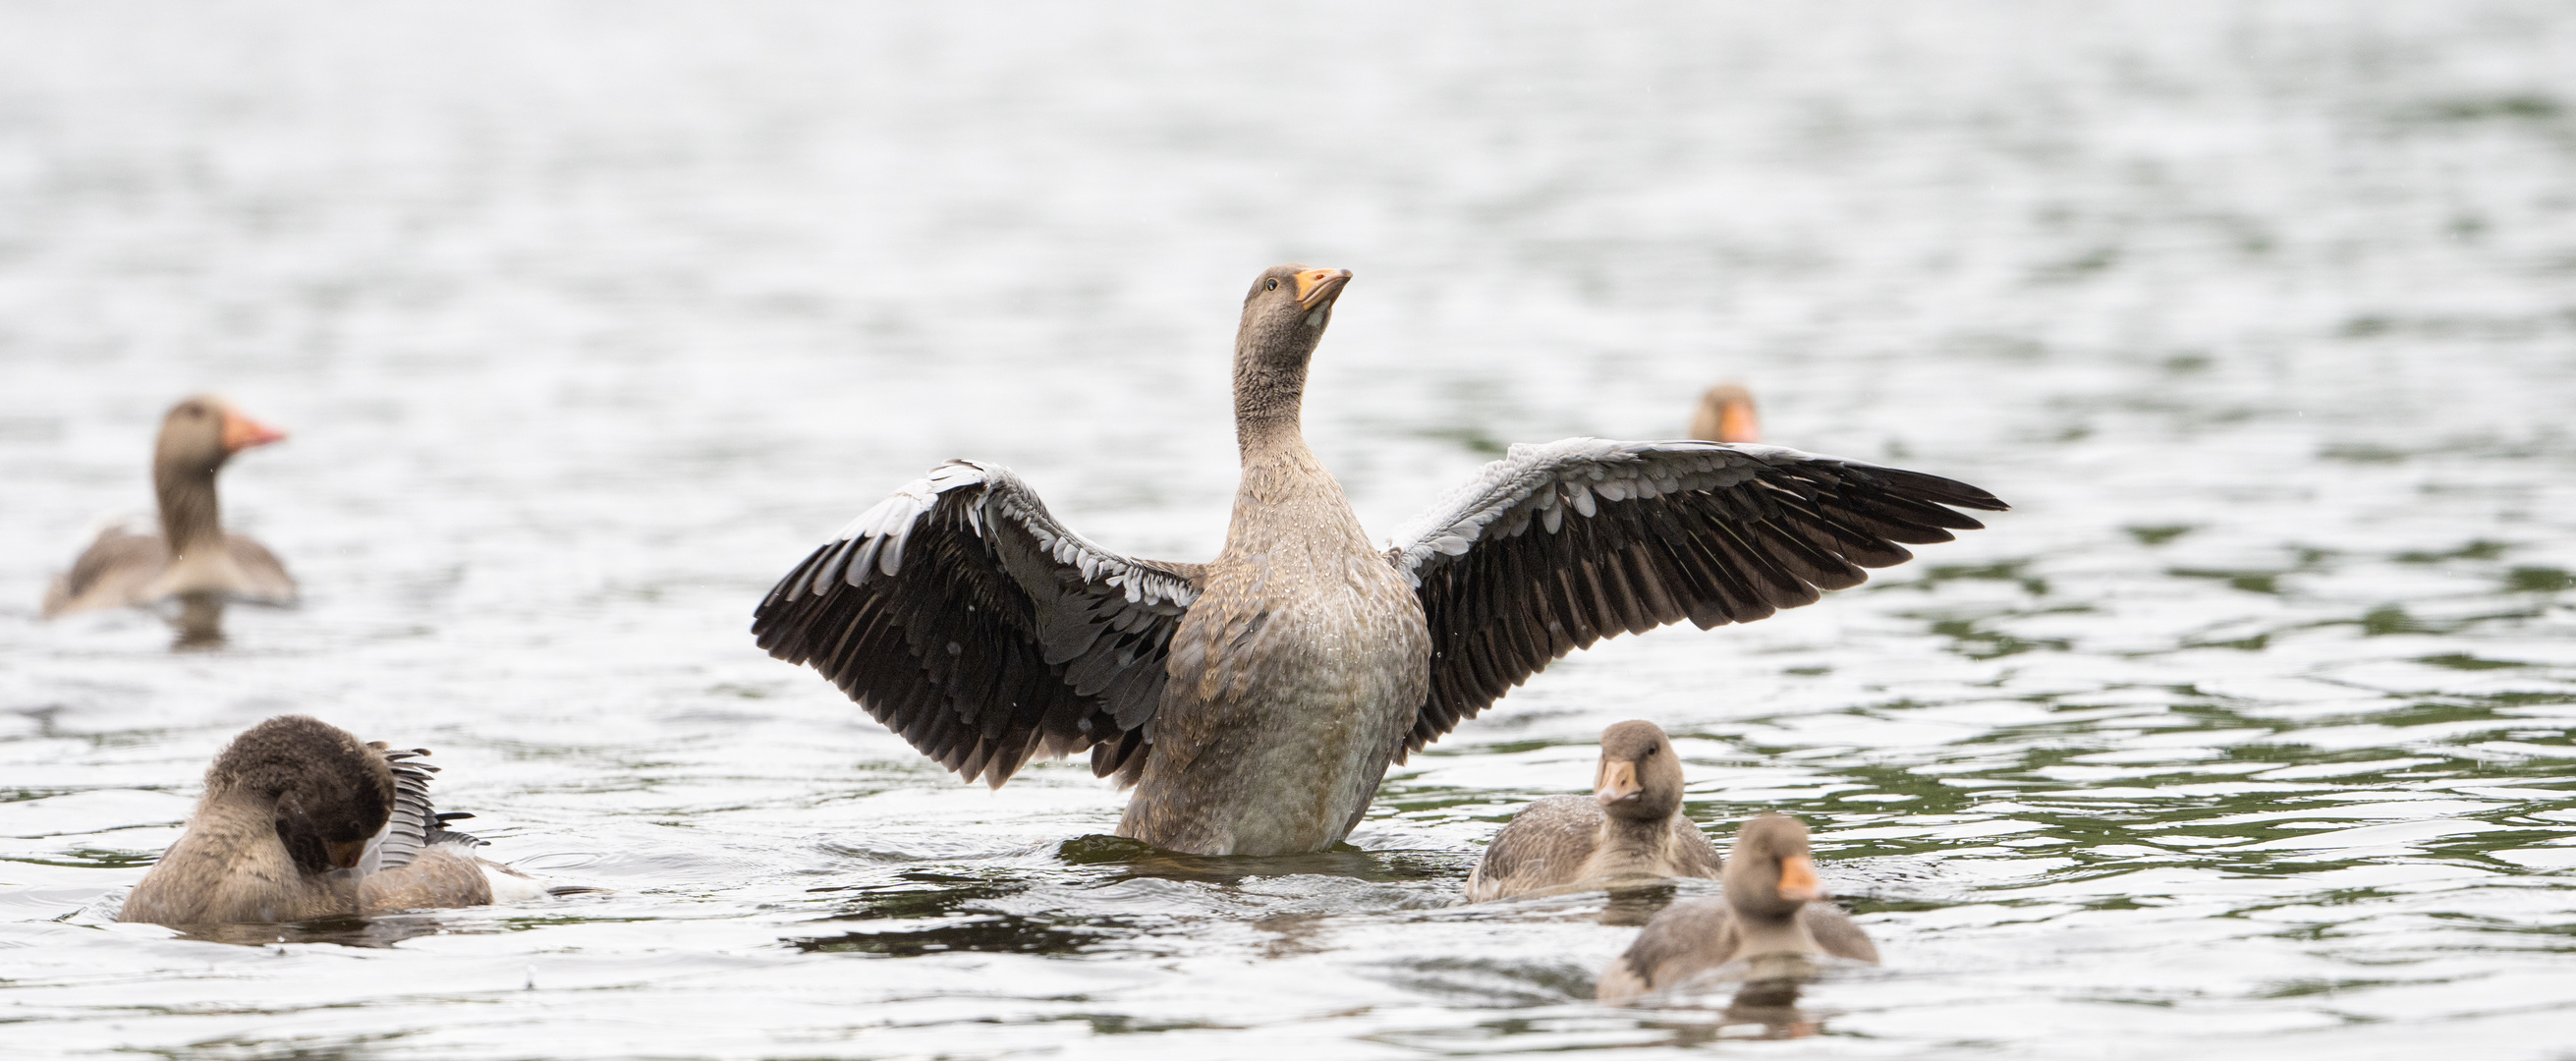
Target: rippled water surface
2244 735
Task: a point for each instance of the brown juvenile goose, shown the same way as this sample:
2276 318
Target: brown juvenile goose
1631 826
1725 414
193 559
1256 700
300 820
1771 907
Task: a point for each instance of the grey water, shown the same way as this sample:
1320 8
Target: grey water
2244 735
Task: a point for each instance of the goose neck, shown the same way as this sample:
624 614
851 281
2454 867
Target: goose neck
191 517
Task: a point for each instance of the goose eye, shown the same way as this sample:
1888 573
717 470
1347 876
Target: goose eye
1271 284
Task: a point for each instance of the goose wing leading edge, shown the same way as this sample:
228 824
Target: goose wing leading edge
963 616
1557 546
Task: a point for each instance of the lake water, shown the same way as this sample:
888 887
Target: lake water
2244 735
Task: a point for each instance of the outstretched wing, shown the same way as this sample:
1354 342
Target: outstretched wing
964 617
1556 546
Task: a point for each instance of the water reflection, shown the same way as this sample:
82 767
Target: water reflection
378 931
1633 906
1761 999
991 934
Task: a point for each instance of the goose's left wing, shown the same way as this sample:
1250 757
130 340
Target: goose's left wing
1556 546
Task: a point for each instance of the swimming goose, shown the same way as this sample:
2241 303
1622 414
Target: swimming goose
1255 701
1725 414
1771 908
192 559
1631 826
299 820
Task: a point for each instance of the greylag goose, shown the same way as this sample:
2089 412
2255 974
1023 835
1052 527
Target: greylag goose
299 820
1254 702
1725 414
1631 826
1771 908
193 559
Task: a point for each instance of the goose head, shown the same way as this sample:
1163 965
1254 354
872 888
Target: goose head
1284 316
1289 305
202 432
1769 874
1640 776
1726 414
331 793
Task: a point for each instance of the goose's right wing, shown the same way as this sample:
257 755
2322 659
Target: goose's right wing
963 616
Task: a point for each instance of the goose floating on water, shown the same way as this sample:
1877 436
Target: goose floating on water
300 820
193 559
1772 908
1632 826
1255 701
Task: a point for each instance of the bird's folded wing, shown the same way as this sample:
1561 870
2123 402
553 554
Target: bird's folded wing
263 578
963 616
1556 546
116 571
416 824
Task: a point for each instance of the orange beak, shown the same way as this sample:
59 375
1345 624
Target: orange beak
1798 880
345 853
242 432
1318 286
1736 422
1618 782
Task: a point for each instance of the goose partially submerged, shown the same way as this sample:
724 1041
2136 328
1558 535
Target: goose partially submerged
193 560
1255 701
1773 908
1631 827
300 820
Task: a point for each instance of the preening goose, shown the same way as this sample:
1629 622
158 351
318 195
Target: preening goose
193 559
1771 908
1255 701
1632 826
299 820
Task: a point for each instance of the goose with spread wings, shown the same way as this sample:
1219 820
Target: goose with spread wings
1254 702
